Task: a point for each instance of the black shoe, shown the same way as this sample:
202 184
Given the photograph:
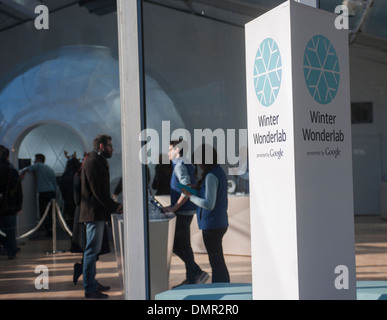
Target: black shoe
102 288
201 277
96 295
12 255
78 270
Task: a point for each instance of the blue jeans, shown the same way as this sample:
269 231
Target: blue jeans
94 236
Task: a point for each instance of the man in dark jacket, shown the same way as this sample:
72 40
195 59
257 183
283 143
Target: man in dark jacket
96 207
11 197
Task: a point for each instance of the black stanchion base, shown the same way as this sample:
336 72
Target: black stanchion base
54 252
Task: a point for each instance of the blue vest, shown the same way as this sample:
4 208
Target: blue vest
176 191
217 218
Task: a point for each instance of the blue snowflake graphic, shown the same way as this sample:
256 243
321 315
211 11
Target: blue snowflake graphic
321 69
267 72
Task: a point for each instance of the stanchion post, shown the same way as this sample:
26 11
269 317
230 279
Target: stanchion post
53 211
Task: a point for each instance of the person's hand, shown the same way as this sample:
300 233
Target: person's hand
120 209
169 209
22 174
186 193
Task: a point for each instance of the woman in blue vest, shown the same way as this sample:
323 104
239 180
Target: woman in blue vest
212 216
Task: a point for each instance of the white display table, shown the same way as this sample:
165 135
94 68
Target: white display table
161 235
237 239
28 217
118 240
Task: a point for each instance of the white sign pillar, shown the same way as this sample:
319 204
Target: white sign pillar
300 155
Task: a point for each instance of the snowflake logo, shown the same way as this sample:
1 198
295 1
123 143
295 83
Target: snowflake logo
267 72
321 69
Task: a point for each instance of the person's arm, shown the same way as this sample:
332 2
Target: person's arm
209 200
182 174
32 168
183 177
18 190
179 203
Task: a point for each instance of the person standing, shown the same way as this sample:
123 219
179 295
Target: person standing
95 209
78 241
11 197
45 185
212 215
66 187
184 210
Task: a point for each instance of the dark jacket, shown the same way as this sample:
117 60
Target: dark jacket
10 189
78 242
96 202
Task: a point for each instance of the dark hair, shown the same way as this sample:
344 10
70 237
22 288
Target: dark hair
206 166
102 138
174 143
4 153
41 157
72 165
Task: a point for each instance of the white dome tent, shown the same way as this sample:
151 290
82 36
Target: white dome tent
74 87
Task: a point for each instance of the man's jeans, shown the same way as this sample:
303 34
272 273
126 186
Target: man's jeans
94 236
182 246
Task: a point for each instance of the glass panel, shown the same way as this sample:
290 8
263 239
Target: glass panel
59 89
375 22
195 90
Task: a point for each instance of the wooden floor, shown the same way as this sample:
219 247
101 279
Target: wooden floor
17 277
371 248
